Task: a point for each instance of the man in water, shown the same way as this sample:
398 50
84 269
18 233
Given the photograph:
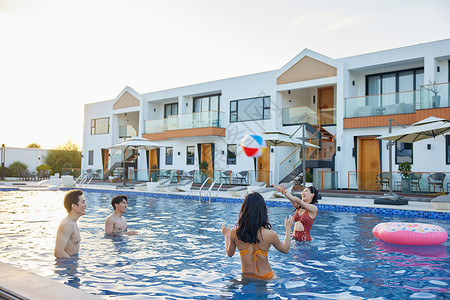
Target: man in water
116 223
68 236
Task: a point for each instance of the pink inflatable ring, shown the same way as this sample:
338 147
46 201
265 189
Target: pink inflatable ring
417 234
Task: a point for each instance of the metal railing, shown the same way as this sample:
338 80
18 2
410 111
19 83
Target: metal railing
186 121
414 182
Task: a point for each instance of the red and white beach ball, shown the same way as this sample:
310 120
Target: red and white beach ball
253 145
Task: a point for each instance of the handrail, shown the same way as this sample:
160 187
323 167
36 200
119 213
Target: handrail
210 188
200 190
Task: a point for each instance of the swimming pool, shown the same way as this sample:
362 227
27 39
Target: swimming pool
179 252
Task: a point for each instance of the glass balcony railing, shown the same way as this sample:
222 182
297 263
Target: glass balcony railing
186 121
196 120
298 115
155 126
434 96
384 104
127 131
429 96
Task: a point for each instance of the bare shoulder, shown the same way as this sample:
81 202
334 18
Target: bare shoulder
66 226
268 234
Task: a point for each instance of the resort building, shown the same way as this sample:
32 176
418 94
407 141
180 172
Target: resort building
341 105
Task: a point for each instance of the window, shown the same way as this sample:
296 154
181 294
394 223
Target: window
207 103
387 86
250 109
169 155
170 109
190 152
403 152
231 154
91 157
447 149
100 126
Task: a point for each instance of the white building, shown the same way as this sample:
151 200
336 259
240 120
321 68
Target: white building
343 104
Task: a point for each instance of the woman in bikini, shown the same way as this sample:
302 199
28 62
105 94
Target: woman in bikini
253 237
305 211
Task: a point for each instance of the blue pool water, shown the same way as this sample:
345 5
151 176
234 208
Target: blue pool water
179 253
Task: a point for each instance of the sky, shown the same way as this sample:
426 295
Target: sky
57 55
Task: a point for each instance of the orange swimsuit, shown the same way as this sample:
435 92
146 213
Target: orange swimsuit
266 276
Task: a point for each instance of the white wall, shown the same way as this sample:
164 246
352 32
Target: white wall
30 156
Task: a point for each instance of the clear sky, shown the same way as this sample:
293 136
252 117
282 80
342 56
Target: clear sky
57 55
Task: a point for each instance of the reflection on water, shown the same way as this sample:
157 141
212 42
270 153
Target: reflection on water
179 252
68 268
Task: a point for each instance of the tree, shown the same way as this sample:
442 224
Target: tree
63 154
34 145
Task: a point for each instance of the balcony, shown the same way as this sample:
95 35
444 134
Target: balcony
428 97
304 114
184 125
127 131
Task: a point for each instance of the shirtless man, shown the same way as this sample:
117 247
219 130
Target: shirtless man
68 236
116 223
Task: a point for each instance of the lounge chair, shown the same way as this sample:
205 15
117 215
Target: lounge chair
185 185
255 185
270 192
167 186
288 187
241 191
151 186
266 193
238 191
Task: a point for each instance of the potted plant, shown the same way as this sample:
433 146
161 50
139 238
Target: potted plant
203 166
405 172
435 89
309 179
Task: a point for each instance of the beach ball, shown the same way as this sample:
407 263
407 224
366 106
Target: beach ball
253 145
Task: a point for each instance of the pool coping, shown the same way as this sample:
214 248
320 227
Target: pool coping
16 283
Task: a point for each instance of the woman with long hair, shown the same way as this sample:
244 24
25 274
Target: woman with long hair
253 237
305 211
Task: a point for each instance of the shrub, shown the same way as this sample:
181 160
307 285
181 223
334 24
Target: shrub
6 173
405 169
43 167
203 165
15 166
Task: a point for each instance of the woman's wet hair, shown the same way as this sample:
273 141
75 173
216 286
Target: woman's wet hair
314 191
252 217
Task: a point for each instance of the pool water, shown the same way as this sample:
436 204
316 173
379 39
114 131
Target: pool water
179 252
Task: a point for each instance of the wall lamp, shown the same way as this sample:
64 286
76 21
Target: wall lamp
438 69
429 146
353 82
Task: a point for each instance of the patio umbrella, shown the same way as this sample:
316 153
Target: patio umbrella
134 143
424 129
278 138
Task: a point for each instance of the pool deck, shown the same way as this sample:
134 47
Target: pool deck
341 198
12 279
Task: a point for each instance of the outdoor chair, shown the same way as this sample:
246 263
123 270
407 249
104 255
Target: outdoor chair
436 180
383 180
187 175
415 181
225 177
241 177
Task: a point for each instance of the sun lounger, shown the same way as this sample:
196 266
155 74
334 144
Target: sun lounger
151 186
441 202
238 191
254 186
185 185
241 191
266 193
287 186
